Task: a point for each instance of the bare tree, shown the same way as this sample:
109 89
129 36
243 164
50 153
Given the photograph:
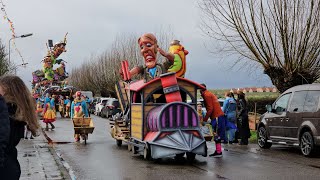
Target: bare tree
5 66
283 36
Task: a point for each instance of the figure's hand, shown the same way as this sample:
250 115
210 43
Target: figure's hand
169 56
162 52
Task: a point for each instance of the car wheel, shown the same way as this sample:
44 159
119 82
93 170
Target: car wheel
107 114
307 144
263 138
190 157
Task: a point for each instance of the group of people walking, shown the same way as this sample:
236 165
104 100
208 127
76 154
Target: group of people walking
77 108
230 123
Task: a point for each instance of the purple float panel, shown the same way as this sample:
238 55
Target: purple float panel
185 115
178 115
172 116
152 118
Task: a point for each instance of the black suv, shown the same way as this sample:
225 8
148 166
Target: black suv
293 119
112 107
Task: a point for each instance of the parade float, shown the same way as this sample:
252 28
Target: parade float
156 121
51 81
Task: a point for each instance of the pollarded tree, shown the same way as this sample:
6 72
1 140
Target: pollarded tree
281 35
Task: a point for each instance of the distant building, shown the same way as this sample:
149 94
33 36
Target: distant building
254 89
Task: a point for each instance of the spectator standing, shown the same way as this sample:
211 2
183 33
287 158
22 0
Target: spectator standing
243 119
17 111
214 111
230 111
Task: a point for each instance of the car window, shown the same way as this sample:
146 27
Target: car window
281 104
297 102
312 101
104 102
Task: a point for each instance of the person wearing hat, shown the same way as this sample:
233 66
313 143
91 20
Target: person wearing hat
49 113
214 112
243 118
67 104
78 110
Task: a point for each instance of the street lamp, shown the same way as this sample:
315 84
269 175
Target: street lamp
16 67
14 37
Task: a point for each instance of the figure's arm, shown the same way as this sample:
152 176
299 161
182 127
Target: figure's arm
209 108
136 70
177 64
72 110
53 59
85 108
241 107
169 56
4 130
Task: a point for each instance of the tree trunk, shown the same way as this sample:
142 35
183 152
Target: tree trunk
284 80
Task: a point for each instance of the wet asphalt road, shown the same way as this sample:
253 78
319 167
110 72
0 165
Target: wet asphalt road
102 159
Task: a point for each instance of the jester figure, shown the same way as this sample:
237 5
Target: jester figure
177 55
51 59
78 110
148 49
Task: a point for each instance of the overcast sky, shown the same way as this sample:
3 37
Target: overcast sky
93 26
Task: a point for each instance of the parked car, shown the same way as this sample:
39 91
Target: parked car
92 107
100 104
112 107
293 119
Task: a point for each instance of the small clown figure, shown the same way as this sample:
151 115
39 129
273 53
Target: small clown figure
177 54
78 110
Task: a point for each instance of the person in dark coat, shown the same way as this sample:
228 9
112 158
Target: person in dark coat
4 131
243 119
17 111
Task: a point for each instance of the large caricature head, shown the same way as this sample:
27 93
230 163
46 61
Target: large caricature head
148 48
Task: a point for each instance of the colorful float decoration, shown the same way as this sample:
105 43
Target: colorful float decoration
48 76
156 121
51 81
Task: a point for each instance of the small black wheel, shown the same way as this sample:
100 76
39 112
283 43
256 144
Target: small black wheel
179 157
147 152
85 137
119 143
263 138
307 144
190 156
134 149
107 114
129 147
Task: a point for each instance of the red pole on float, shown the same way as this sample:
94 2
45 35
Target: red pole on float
170 87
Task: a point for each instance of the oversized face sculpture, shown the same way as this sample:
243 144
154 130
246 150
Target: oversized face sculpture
148 48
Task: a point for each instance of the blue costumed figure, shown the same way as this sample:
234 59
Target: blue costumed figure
78 110
49 115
